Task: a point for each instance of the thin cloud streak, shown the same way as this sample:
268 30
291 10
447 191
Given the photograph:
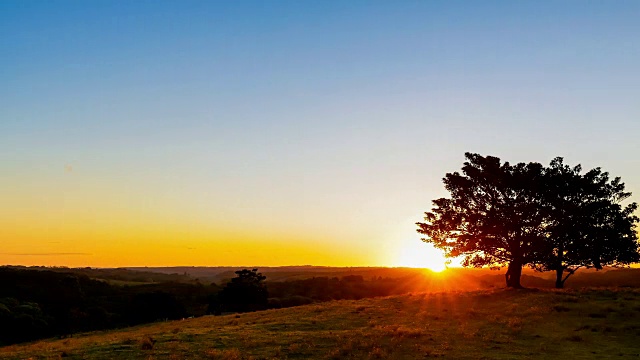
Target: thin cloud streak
50 254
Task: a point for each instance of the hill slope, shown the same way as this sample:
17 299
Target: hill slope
500 324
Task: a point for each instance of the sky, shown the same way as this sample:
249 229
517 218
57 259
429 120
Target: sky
290 132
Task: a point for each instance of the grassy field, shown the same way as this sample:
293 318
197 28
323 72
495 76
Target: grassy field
498 324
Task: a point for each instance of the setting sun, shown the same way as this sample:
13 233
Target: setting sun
416 254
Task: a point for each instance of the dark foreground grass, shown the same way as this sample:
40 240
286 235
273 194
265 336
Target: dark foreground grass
500 324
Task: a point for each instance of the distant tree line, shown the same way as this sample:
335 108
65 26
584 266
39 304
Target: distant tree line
249 291
39 303
554 218
115 275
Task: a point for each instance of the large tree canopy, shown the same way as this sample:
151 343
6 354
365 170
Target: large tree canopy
587 225
492 217
528 215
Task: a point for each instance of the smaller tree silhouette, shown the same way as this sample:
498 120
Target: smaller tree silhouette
588 226
245 292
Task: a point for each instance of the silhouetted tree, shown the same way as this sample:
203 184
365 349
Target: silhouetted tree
553 218
245 292
154 306
492 218
587 226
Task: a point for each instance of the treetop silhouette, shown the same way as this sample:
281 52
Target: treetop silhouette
245 292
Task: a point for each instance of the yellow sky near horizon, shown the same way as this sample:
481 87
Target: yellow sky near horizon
84 216
74 220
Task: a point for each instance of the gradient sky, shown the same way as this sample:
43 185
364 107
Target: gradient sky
289 132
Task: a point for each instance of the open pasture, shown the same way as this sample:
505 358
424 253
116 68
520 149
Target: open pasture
497 324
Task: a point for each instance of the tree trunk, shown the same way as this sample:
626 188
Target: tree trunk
514 271
559 281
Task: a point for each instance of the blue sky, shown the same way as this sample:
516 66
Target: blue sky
333 118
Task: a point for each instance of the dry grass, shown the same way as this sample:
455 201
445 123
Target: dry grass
500 324
229 354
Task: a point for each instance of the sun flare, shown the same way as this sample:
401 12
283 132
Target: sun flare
420 255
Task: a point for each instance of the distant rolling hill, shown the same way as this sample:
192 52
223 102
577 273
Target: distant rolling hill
281 273
472 278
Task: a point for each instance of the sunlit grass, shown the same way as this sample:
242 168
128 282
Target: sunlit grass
500 324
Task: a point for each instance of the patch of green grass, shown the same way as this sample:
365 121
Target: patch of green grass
499 324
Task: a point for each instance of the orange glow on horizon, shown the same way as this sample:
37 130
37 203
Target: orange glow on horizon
74 222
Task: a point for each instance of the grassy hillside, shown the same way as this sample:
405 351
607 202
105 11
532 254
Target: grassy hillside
499 324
